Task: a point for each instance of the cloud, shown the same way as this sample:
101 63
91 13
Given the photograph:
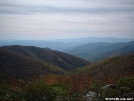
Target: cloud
65 6
66 18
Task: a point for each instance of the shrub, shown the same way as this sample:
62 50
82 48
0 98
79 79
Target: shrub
126 86
40 91
10 93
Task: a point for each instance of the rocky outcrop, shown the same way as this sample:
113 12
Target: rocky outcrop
90 96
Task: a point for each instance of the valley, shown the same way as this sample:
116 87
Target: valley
66 50
35 71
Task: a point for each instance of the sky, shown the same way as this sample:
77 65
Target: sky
63 19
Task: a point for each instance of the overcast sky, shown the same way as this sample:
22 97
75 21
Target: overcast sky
50 19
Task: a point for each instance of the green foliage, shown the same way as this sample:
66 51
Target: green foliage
9 93
77 96
97 85
40 91
61 92
126 86
37 92
108 93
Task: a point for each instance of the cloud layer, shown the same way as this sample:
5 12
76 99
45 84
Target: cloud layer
32 19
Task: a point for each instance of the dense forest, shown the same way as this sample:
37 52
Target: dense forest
29 73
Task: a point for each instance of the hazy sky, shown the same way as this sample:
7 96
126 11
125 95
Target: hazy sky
50 19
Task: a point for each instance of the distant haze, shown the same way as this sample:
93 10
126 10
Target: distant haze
60 19
61 44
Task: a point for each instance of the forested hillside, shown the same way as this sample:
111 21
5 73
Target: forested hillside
29 62
116 65
60 59
18 66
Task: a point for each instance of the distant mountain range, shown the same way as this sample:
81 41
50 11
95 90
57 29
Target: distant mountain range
95 40
97 51
25 62
38 43
61 44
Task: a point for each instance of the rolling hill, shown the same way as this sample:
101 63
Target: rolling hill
109 70
18 66
28 62
111 66
98 51
59 59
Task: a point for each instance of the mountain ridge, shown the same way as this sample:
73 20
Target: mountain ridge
109 68
18 66
97 51
60 44
60 59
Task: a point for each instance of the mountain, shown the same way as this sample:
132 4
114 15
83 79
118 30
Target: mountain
59 59
29 62
40 43
110 69
124 63
97 51
19 66
61 44
95 40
